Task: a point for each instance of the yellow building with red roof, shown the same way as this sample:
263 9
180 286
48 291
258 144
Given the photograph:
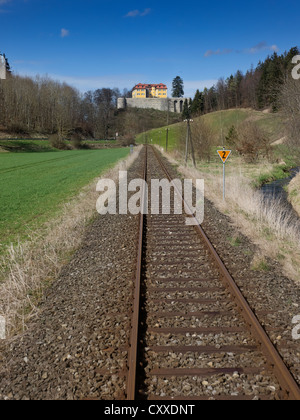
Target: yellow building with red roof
143 90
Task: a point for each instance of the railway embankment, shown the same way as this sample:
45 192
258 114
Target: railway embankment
76 346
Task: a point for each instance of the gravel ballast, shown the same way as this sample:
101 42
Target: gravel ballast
83 324
76 346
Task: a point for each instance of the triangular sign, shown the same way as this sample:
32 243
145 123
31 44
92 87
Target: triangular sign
224 154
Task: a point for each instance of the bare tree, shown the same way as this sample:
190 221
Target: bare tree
252 142
290 102
203 139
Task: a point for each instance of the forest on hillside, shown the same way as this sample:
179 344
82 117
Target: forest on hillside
45 106
268 86
259 88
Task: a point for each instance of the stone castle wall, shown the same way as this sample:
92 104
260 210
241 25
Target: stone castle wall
174 104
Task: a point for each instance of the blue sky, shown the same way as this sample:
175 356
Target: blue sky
115 43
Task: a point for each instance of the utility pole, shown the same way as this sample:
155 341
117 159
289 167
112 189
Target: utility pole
192 148
167 134
168 111
167 139
189 141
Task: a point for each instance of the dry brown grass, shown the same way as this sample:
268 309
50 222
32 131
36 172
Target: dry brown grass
294 193
266 223
28 268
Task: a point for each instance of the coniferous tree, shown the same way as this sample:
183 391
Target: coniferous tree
186 113
287 59
177 87
232 137
259 88
197 105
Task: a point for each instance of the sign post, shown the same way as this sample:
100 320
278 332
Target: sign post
224 155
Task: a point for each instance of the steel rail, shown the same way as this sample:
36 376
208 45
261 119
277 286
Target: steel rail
133 349
289 386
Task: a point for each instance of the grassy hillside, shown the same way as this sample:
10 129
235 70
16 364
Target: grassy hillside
219 121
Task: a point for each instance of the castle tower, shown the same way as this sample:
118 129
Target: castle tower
121 103
2 67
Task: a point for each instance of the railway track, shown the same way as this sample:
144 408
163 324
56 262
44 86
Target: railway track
193 335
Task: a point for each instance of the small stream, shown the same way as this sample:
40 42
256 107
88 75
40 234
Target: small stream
276 189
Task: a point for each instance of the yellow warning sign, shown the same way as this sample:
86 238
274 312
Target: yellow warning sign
224 154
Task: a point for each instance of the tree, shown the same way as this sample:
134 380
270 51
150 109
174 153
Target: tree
177 87
290 103
287 59
232 137
126 93
186 113
197 106
104 99
204 139
252 142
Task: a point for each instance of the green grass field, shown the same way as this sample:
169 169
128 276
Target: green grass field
37 146
25 146
34 185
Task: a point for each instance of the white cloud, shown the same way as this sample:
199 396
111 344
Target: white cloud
225 51
64 33
146 12
274 48
133 13
136 12
261 46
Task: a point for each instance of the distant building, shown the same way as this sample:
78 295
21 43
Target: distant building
147 96
2 67
142 91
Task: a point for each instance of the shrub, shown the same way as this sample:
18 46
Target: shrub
76 141
203 139
126 140
290 102
232 137
18 129
252 142
57 142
